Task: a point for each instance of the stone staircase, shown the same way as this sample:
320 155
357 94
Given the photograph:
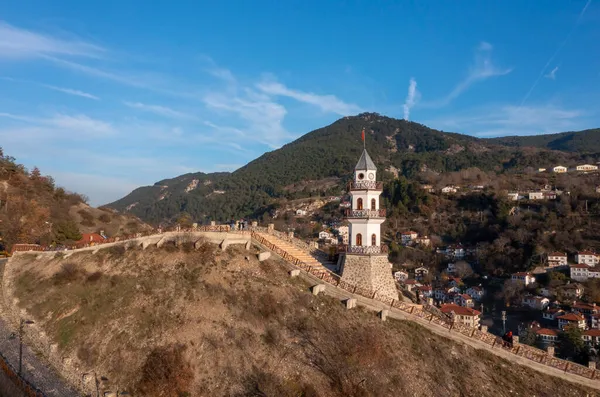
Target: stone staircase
296 252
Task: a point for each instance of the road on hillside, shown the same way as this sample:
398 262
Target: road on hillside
35 369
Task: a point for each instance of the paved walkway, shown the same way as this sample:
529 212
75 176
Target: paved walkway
35 369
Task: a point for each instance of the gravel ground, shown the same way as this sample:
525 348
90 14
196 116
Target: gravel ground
35 369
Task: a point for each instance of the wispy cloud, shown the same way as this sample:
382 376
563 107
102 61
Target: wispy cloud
327 103
21 43
481 69
513 120
63 124
159 110
552 74
558 50
72 92
410 98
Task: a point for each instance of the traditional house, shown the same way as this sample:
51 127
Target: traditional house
423 240
462 315
421 272
550 195
343 232
551 314
591 336
408 236
559 169
571 319
411 284
450 189
523 278
425 291
401 275
535 302
587 167
455 281
579 272
573 290
91 239
587 257
586 309
513 196
464 300
476 293
536 195
557 259
547 292
546 335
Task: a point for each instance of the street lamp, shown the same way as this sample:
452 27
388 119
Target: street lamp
21 327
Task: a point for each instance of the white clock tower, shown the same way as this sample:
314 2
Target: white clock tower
365 263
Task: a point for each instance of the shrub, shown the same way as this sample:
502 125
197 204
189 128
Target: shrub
94 277
68 272
104 218
117 250
165 373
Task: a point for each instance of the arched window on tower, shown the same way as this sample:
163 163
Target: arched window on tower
359 204
359 238
373 205
373 239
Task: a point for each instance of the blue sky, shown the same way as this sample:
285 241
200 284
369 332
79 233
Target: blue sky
107 96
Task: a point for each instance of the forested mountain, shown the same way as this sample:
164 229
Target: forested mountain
587 141
331 152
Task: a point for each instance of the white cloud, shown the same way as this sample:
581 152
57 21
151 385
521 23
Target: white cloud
81 124
327 103
482 69
410 98
17 43
160 110
552 74
71 92
513 120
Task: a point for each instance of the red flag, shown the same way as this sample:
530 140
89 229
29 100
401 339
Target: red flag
363 134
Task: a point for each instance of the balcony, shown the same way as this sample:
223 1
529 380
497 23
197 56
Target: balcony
363 249
366 185
351 213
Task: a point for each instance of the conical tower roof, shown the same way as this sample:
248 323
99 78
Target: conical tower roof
365 162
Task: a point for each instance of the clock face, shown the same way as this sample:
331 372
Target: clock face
371 176
361 176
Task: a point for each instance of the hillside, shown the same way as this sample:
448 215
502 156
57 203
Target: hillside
587 141
34 210
175 322
331 152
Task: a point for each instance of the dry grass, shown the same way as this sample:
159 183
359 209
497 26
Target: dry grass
209 323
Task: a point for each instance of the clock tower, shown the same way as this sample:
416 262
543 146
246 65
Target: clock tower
365 263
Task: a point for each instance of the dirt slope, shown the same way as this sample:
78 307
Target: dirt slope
166 322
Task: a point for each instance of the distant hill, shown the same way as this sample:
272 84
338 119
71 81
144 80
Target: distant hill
587 141
331 152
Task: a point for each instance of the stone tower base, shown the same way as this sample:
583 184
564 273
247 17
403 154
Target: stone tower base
372 273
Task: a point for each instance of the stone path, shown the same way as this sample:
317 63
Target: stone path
35 370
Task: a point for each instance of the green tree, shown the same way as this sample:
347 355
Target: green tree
572 345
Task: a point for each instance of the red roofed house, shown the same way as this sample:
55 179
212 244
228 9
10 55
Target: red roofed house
571 319
476 292
91 239
425 291
408 236
557 259
587 257
462 315
464 300
547 335
411 284
523 278
579 272
552 314
591 336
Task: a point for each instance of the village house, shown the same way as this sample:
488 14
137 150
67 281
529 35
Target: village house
464 300
401 275
595 321
584 272
550 195
559 169
536 195
323 235
513 196
586 309
535 302
428 188
455 282
421 272
587 257
450 189
91 239
407 237
546 335
423 240
462 315
411 284
547 292
476 292
523 278
591 337
425 291
541 170
557 259
551 314
573 290
587 167
343 233
571 319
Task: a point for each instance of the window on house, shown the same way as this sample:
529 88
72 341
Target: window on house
359 204
373 205
359 238
373 239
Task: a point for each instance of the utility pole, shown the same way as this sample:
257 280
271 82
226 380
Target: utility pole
503 321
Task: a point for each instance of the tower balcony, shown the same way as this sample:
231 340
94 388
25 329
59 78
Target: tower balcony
352 213
363 249
365 185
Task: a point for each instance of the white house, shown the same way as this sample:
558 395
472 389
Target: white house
425 291
557 259
450 189
343 232
462 315
595 321
408 236
400 275
591 336
587 257
547 292
421 272
323 235
541 170
552 314
587 167
476 292
547 335
423 240
301 212
536 302
523 278
573 290
559 169
571 319
464 300
513 196
536 195
579 272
